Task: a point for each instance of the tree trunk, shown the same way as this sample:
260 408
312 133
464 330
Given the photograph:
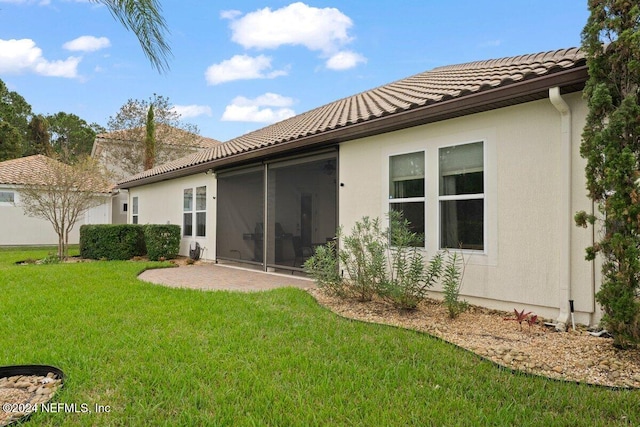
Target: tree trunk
150 141
60 245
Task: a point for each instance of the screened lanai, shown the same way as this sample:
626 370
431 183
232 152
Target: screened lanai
296 199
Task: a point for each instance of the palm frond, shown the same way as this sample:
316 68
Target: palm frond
144 18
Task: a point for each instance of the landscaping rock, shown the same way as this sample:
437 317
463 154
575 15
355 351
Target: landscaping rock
29 390
572 355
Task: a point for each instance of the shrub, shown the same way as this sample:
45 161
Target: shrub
451 283
388 263
51 259
162 241
383 262
112 241
323 269
408 277
363 257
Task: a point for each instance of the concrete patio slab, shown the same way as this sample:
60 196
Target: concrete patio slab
211 277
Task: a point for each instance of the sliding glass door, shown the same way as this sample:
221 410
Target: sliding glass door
298 204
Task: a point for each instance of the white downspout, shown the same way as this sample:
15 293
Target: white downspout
566 215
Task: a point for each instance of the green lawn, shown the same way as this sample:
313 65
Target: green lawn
161 356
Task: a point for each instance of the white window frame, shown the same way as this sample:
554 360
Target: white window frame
194 211
473 196
187 211
422 199
135 210
197 211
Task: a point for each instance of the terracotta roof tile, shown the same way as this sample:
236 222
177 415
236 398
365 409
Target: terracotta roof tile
25 170
34 170
427 88
198 142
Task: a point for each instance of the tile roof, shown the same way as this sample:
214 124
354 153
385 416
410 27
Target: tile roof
166 132
25 170
332 122
32 170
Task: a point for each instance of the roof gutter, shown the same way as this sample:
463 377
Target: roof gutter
503 96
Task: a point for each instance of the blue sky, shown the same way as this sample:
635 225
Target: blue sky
239 65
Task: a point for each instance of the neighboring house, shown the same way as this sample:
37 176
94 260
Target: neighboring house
16 228
483 155
116 151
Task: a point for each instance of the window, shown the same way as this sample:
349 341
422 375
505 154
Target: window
461 196
134 210
187 223
125 207
199 209
7 197
406 189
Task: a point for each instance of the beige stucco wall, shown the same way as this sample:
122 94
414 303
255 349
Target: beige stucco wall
118 202
16 228
162 203
520 266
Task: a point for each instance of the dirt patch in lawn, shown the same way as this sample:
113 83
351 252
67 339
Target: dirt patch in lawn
540 350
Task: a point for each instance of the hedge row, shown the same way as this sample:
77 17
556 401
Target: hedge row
162 241
125 241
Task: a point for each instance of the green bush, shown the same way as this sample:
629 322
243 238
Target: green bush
451 283
387 263
363 256
323 269
408 277
162 241
112 241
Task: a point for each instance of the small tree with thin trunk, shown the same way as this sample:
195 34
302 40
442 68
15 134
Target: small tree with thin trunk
63 194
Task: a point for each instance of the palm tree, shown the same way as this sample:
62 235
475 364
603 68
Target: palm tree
144 18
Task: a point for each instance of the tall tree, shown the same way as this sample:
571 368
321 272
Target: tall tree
150 141
611 145
144 18
15 114
71 136
128 129
39 140
64 193
10 142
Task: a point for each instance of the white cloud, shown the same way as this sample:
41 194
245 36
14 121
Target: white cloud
297 24
491 43
230 14
269 99
345 60
244 109
41 2
242 67
186 111
87 44
21 56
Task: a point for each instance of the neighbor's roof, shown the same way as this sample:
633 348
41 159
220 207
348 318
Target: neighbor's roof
31 170
171 136
439 94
